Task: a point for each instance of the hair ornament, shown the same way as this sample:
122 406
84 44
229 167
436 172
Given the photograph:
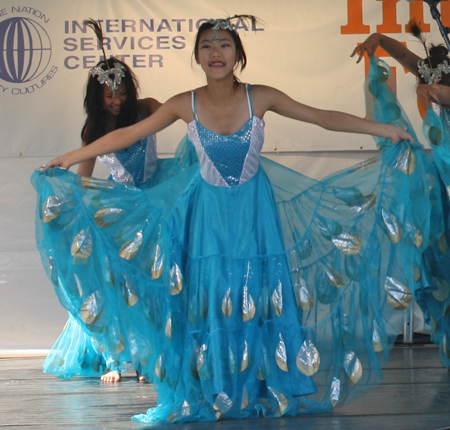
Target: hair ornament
431 75
221 24
118 71
104 75
426 70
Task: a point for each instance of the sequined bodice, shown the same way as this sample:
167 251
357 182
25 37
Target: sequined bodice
134 165
231 160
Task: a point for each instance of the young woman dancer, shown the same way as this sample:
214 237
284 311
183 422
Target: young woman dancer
256 290
430 89
110 106
433 89
106 109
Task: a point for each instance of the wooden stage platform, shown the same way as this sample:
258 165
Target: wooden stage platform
415 395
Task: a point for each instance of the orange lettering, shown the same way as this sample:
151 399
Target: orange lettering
355 19
389 18
445 13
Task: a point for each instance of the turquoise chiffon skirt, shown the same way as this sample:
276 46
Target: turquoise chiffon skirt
75 353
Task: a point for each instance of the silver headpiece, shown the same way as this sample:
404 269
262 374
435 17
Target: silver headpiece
430 74
104 75
221 24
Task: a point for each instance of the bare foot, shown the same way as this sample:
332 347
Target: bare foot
112 376
140 377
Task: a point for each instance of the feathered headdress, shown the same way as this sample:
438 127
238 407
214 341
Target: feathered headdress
104 76
416 31
226 24
429 73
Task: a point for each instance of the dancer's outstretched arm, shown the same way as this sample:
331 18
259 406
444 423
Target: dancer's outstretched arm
271 99
124 137
393 47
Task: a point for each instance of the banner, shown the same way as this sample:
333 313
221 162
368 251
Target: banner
303 49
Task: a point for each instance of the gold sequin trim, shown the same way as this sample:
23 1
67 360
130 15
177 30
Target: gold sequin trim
92 308
107 216
131 248
281 400
398 295
227 304
303 295
82 245
175 280
347 243
245 359
180 411
308 359
353 368
406 162
393 226
277 299
281 355
157 267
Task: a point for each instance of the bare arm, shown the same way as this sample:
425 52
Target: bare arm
270 99
121 138
86 168
434 93
393 47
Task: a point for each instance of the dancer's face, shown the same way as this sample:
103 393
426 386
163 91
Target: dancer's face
216 57
112 102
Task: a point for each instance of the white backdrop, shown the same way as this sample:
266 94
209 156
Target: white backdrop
304 49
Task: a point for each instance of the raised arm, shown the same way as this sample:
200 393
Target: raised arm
393 47
168 113
270 99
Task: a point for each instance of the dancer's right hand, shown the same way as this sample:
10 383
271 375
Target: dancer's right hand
397 134
434 93
369 45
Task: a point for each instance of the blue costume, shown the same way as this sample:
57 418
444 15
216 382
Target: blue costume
434 299
135 165
75 353
243 287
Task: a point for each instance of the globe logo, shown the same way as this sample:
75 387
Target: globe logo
25 50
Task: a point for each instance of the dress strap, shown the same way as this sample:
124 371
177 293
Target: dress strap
248 89
194 108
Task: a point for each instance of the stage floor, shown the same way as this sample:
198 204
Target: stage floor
415 395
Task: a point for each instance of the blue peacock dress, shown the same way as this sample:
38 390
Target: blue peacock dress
434 300
242 287
75 353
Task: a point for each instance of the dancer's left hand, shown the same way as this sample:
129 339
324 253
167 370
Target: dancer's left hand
62 162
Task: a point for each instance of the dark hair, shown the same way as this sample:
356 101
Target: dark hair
94 126
241 57
437 55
